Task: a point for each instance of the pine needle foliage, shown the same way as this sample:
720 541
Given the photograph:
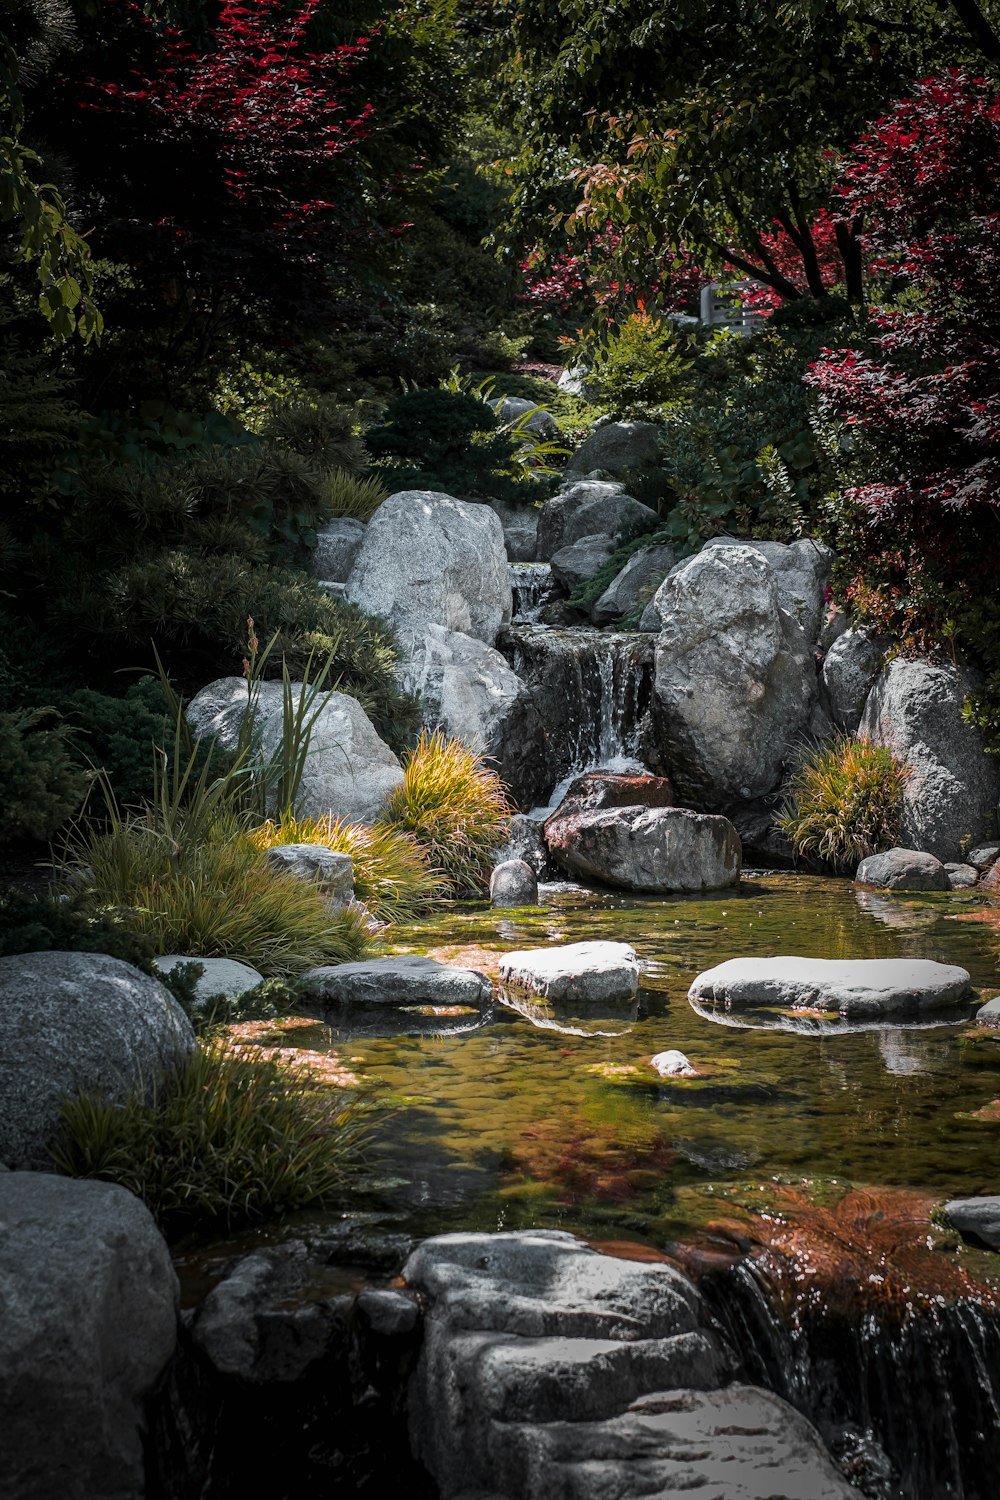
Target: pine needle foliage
356 498
455 806
844 802
234 1137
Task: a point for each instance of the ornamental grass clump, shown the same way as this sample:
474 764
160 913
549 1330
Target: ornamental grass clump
844 802
235 1136
455 806
393 875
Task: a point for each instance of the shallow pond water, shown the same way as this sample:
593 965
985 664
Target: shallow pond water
562 1122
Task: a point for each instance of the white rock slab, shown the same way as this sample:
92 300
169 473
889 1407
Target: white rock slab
852 986
407 979
219 976
673 1064
587 973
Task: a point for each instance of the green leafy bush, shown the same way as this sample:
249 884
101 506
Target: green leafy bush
638 364
844 801
235 1136
41 784
455 806
73 924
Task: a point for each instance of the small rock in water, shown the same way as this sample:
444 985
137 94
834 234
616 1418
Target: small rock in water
961 877
903 870
976 1217
514 883
405 980
983 857
587 973
852 986
673 1065
989 1014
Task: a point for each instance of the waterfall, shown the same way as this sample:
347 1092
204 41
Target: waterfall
532 587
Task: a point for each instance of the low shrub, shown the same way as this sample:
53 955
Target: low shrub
41 783
319 429
393 876
214 897
74 923
638 365
455 806
236 1136
843 802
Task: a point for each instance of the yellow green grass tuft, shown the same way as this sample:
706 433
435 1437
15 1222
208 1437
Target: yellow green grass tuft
843 802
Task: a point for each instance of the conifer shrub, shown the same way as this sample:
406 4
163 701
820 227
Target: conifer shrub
844 802
41 784
455 806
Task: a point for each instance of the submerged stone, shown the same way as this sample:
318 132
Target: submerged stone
585 973
852 986
408 979
673 1064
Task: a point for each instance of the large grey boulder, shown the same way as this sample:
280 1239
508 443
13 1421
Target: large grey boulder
514 411
407 979
852 986
647 849
641 575
219 976
331 869
549 1370
466 688
618 448
520 529
591 507
979 1218
89 1298
903 870
72 1022
349 770
801 572
337 545
735 678
578 562
950 798
575 973
849 669
429 559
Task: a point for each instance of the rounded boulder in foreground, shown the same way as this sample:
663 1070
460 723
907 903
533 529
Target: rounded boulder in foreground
513 883
647 848
852 986
582 973
72 1022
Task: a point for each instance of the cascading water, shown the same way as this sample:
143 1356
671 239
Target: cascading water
532 587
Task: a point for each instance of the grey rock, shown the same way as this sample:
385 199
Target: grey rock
619 448
337 545
591 507
334 590
574 381
756 823
466 688
575 973
849 668
950 799
520 529
673 1064
961 877
513 883
578 563
429 559
978 1218
78 1021
801 572
349 770
988 1015
735 677
406 979
647 849
834 625
389 1313
525 844
903 870
639 578
511 410
852 986
219 976
983 857
331 869
89 1298
549 1370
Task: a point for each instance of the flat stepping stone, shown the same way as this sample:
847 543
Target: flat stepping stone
852 986
582 973
978 1218
405 980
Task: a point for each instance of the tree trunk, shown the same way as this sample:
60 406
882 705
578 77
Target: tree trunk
850 254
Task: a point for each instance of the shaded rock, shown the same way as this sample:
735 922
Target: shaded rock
525 844
388 1313
647 849
466 688
673 1065
513 883
78 1021
849 669
801 571
337 545
756 822
903 870
219 976
549 1370
349 770
591 507
578 563
330 868
950 799
976 1218
532 587
618 448
852 986
89 1299
637 581
581 973
429 559
512 408
990 882
735 679
520 529
989 1014
961 877
984 856
407 979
